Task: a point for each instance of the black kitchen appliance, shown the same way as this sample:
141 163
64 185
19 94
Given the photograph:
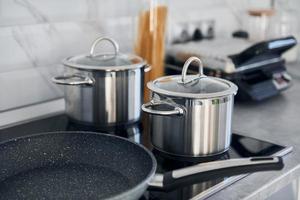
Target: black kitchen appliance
241 147
257 69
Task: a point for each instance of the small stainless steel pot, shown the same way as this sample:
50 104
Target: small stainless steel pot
190 115
103 89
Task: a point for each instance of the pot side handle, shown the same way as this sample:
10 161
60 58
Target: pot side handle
147 68
215 170
73 80
148 108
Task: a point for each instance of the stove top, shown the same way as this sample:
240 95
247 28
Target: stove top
241 146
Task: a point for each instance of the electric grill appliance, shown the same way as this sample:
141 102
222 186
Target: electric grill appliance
241 146
258 69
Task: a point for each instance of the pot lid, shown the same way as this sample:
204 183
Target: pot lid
107 61
193 86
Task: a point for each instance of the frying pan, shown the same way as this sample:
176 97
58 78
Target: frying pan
86 165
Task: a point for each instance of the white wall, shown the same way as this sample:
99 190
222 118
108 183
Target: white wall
34 36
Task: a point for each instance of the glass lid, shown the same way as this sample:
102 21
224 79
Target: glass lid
112 61
193 86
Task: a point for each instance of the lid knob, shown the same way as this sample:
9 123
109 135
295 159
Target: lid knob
186 66
112 41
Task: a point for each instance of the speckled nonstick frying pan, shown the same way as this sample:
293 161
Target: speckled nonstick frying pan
85 165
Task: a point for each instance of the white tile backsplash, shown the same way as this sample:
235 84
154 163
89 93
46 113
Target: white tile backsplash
44 44
20 12
28 86
12 56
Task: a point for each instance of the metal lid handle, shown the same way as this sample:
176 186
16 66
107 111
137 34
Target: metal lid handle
186 66
112 41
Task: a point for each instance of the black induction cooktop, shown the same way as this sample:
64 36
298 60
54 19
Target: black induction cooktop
241 146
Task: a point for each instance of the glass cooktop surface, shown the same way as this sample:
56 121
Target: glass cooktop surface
241 146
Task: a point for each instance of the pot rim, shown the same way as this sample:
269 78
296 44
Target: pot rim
139 64
232 89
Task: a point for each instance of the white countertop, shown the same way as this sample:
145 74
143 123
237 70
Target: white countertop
276 120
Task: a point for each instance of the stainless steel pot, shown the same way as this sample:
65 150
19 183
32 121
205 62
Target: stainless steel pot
190 115
103 89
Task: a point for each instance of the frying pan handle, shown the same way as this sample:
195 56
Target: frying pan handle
217 169
148 108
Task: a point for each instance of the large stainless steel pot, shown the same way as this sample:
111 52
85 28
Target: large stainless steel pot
190 115
103 89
